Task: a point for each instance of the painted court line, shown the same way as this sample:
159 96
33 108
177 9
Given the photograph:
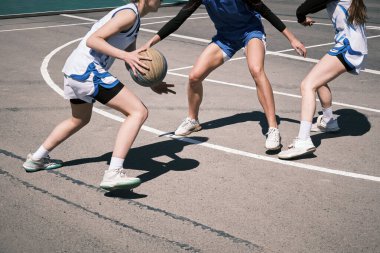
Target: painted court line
275 92
278 53
368 27
44 27
152 23
50 82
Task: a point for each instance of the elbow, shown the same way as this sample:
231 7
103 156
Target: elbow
300 16
90 42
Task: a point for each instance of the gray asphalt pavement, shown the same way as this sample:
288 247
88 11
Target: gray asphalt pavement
216 191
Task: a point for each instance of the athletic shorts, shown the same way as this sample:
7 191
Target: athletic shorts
87 92
230 47
352 60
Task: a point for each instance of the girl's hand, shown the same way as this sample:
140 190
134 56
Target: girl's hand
308 22
163 87
133 59
299 47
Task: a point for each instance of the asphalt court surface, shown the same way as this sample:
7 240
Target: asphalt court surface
217 190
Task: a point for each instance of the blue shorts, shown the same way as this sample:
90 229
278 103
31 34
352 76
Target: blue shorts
230 47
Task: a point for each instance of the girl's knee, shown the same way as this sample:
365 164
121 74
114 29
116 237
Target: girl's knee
307 86
257 72
195 78
80 122
141 113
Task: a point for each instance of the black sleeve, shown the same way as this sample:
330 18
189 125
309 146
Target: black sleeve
264 11
310 6
178 20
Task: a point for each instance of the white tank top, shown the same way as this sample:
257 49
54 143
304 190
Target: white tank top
354 33
81 58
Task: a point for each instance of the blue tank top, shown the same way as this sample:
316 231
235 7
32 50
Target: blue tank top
232 18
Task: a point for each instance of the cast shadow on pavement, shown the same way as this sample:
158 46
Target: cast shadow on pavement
351 123
144 158
244 117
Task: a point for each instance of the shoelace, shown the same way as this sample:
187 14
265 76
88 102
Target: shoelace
122 172
47 160
292 145
271 134
187 122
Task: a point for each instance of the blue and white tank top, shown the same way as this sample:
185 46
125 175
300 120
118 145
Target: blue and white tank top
84 61
348 37
232 18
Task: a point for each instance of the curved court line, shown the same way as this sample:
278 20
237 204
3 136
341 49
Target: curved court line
54 86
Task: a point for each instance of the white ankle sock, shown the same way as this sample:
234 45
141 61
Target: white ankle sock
304 132
327 113
116 163
40 153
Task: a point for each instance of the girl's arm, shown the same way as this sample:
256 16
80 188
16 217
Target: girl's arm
264 11
310 6
122 21
175 22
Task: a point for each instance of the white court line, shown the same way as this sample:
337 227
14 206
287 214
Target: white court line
275 92
55 87
158 22
278 53
368 27
172 16
44 27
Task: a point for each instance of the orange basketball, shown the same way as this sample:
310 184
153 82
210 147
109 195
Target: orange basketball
157 68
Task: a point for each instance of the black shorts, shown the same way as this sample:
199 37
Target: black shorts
343 61
104 95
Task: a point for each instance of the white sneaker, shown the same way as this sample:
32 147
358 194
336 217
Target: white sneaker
324 127
187 127
31 165
118 179
273 141
298 148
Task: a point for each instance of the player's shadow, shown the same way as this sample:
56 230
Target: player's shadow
244 117
351 123
146 158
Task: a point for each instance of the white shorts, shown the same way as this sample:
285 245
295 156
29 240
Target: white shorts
86 86
354 61
74 89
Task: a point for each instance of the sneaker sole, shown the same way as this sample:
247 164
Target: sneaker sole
47 168
275 148
190 131
120 186
310 151
318 130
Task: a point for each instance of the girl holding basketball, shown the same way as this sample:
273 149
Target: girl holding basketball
348 55
238 25
86 80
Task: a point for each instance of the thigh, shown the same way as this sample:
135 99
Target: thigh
81 111
126 102
210 59
255 53
326 70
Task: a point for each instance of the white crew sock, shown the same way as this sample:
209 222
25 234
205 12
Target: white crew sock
304 132
40 153
327 113
116 163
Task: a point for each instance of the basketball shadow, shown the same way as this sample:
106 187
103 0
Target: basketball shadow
351 123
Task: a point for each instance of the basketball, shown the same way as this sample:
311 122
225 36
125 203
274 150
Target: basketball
157 68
